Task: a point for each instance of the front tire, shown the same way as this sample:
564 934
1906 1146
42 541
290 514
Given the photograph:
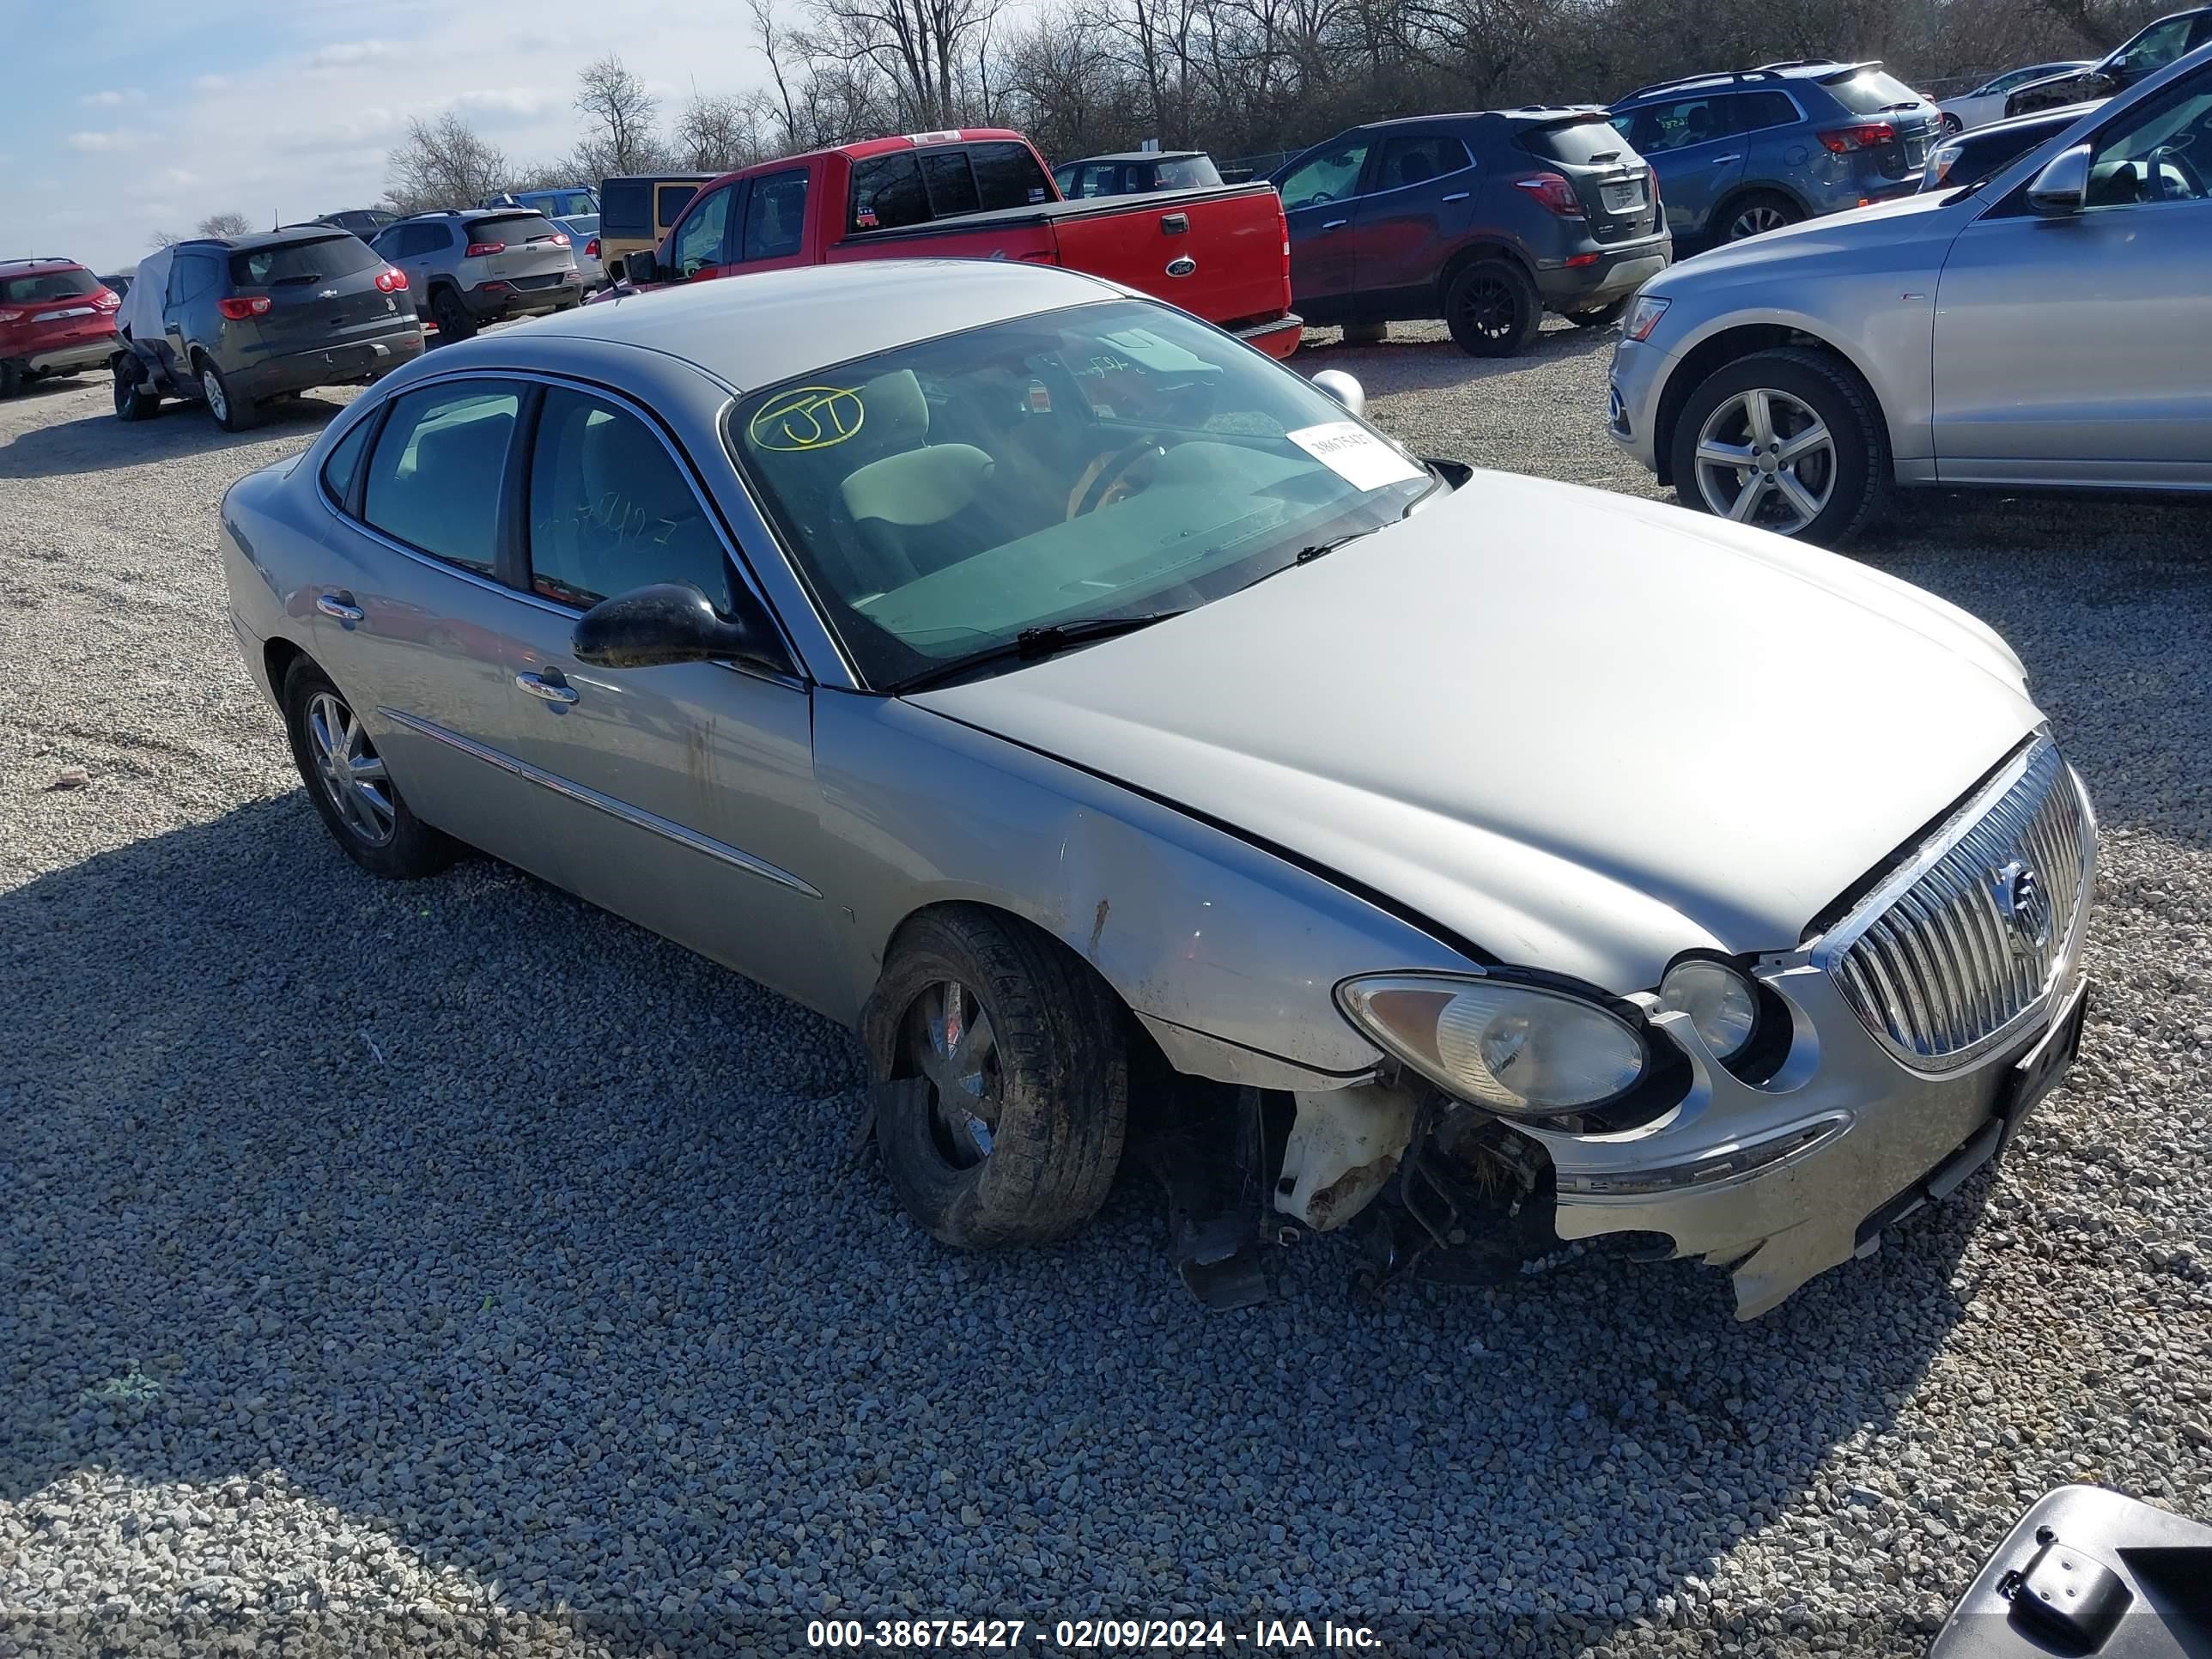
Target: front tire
351 789
1789 441
1493 309
451 313
1016 1134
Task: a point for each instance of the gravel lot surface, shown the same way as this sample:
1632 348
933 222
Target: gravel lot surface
443 1266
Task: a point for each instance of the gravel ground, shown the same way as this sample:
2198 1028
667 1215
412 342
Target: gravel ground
445 1267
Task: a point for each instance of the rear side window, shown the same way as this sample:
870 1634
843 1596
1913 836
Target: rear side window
1758 110
1008 176
887 193
951 186
47 285
301 262
345 461
626 207
1869 92
190 277
1594 143
776 215
1679 124
436 477
669 201
1415 160
512 229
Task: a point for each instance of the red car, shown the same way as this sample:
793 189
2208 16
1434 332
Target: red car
55 319
1220 252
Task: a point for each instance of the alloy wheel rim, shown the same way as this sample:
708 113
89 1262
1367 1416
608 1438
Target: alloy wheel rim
1766 458
1488 308
351 772
1756 221
124 390
211 386
950 1042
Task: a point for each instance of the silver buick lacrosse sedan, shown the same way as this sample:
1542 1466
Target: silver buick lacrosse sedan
1115 729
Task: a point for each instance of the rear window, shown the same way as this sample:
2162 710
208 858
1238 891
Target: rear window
1869 92
1187 173
887 192
951 184
626 207
1578 143
48 285
582 224
512 229
301 262
1007 175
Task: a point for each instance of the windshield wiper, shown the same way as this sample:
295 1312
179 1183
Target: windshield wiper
1034 643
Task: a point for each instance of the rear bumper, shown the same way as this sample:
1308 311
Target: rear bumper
300 371
73 356
498 304
1615 274
1278 337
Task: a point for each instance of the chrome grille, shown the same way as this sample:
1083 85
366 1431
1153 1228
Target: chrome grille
1945 960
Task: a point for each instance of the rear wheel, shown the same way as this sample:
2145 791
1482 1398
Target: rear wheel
11 378
1757 213
1951 123
1015 1135
1788 440
1603 316
232 413
1493 309
451 313
347 782
131 404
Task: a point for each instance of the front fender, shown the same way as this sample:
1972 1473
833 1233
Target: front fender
1195 928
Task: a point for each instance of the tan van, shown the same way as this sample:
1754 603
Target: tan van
638 210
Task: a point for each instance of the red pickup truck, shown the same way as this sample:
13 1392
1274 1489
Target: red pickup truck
1221 253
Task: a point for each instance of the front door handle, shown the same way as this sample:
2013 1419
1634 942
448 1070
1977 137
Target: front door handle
549 686
1456 196
339 603
1331 224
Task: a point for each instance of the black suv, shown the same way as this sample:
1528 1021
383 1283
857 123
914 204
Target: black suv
1485 220
234 321
2146 51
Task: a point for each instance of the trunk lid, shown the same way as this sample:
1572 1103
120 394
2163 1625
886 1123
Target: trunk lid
530 246
1616 187
321 293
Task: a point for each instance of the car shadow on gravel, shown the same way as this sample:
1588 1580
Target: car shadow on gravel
99 442
1422 358
480 1220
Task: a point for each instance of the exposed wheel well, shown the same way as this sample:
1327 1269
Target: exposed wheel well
1724 348
278 656
1468 255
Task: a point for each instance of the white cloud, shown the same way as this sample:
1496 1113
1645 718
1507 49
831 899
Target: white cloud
113 97
344 54
104 144
508 100
210 83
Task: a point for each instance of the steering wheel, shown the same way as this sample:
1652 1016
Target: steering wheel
1318 198
1113 476
2172 155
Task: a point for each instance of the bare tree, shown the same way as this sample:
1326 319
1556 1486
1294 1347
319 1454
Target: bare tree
922 48
224 224
715 134
443 163
620 112
164 238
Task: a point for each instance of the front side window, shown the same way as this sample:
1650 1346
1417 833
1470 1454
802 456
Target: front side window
887 193
1106 461
1331 176
609 510
2161 152
776 215
2154 49
699 241
436 477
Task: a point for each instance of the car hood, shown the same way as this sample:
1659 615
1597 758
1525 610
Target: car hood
1901 218
1582 731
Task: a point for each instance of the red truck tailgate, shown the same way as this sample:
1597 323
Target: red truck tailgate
1216 252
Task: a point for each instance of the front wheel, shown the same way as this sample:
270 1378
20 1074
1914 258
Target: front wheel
1789 441
1015 1132
1493 309
350 785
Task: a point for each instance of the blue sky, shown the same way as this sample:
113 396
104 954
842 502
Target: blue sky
142 115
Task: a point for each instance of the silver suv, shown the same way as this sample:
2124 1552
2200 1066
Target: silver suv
2051 326
484 265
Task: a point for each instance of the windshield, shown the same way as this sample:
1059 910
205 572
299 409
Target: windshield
1116 459
343 255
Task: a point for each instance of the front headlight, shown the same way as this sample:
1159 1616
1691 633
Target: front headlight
1944 160
1721 1003
1643 316
1512 1047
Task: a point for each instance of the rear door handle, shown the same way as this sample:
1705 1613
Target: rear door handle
550 686
1331 224
1456 196
1723 160
339 603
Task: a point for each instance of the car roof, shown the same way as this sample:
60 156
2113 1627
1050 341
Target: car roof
38 264
311 232
767 326
1136 156
1789 69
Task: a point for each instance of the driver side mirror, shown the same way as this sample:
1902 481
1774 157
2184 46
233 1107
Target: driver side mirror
642 268
1336 384
2062 185
666 623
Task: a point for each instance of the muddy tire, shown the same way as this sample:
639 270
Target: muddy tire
1014 1131
1493 309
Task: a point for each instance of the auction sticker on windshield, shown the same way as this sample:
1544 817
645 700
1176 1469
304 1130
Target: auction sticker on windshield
1355 454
